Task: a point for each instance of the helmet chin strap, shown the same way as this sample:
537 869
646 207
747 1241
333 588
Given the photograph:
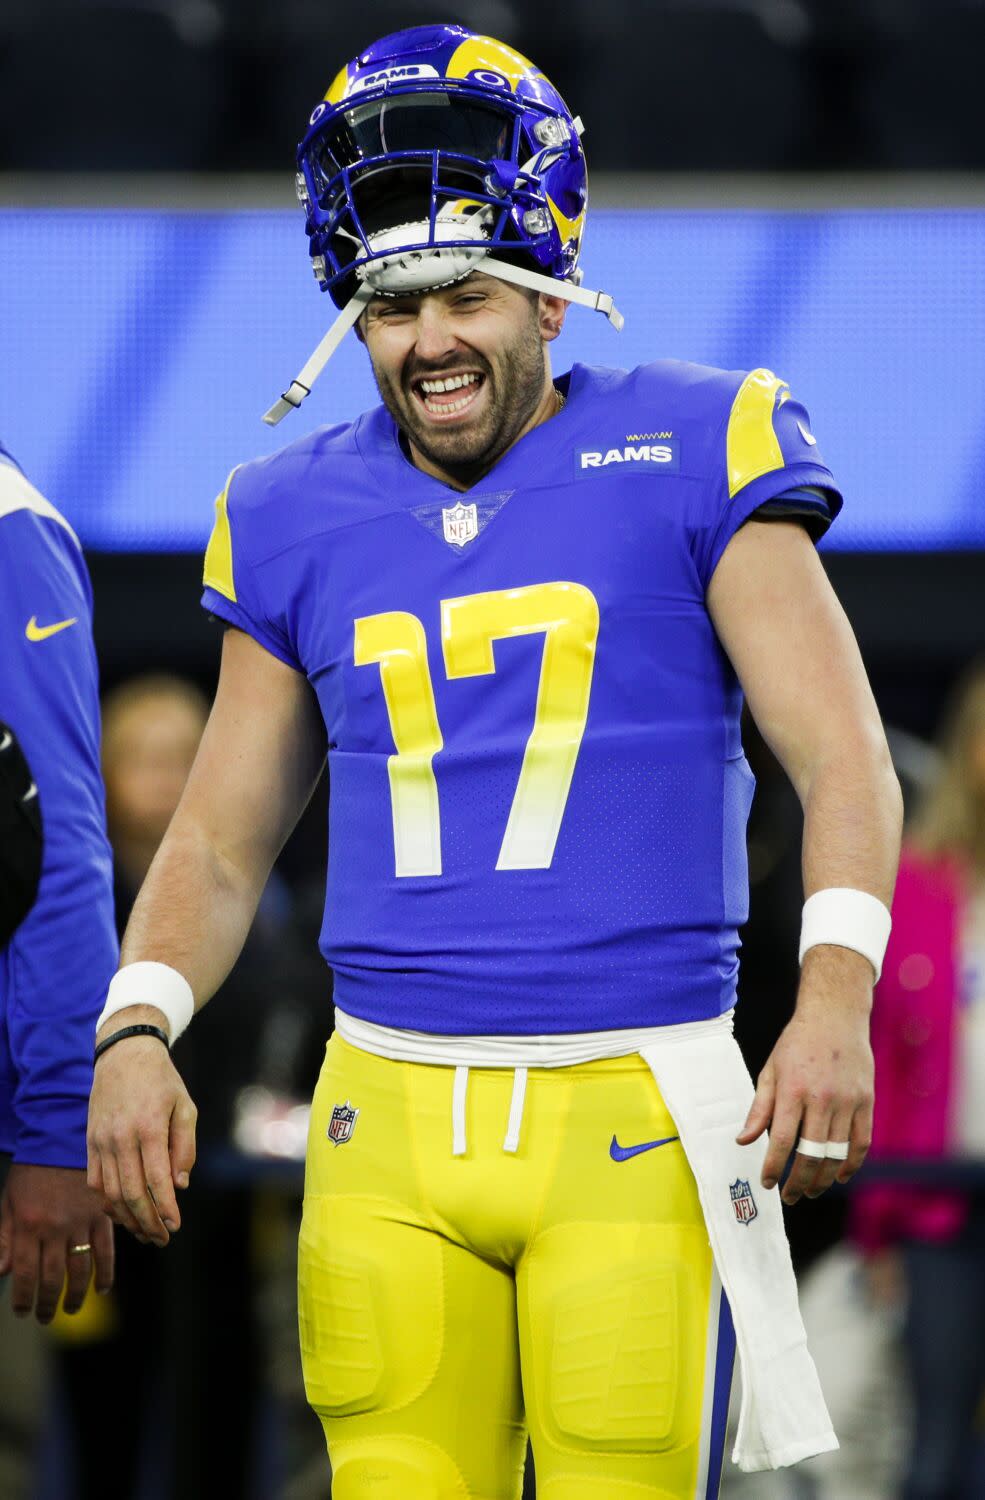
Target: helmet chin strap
535 282
301 385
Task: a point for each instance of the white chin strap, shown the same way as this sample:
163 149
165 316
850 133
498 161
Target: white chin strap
301 385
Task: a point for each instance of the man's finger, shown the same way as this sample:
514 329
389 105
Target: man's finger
784 1132
78 1273
761 1109
137 1197
182 1143
6 1242
94 1168
859 1142
103 1252
52 1278
113 1203
839 1132
25 1270
804 1172
157 1172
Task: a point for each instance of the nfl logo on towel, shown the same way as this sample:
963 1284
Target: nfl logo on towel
343 1123
743 1201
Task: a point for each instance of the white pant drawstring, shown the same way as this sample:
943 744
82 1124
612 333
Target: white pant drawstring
512 1140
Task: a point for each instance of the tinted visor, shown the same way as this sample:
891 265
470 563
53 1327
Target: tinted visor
415 122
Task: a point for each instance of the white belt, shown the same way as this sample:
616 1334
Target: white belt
561 1050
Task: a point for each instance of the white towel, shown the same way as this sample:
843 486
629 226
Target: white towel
706 1087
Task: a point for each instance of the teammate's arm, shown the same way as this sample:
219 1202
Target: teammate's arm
260 756
796 657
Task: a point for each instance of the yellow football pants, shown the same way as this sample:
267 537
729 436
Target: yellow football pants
449 1304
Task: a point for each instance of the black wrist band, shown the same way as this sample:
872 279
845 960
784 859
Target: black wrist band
118 1036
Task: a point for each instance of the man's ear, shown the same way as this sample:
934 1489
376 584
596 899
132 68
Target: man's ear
552 313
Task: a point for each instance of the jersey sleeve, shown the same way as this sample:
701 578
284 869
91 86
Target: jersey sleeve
765 460
231 576
56 967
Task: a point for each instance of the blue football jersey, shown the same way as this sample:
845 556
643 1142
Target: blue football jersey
538 795
56 968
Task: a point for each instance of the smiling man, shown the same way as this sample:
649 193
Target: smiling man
461 406
519 612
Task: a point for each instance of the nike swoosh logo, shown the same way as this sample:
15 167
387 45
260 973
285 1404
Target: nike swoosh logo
807 436
36 632
623 1153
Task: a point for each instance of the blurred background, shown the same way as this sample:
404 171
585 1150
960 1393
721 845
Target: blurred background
791 183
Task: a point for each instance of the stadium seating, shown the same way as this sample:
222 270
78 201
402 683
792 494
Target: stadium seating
117 85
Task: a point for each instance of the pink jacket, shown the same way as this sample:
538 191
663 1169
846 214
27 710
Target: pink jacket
913 1037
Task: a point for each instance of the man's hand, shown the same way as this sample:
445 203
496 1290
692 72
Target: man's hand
818 1081
43 1213
141 1134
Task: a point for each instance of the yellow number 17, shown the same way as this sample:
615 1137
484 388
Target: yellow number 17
567 615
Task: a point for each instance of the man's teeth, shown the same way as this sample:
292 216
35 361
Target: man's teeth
453 382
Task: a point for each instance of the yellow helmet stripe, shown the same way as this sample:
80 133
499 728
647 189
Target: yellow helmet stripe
338 86
484 52
569 229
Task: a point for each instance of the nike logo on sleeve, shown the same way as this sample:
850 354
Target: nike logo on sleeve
36 632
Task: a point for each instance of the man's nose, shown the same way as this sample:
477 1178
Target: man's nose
435 338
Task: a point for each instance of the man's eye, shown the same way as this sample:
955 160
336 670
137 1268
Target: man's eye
470 297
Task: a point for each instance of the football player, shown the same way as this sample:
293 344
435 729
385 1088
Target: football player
519 613
58 945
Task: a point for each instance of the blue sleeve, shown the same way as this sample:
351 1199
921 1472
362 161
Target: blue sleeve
811 506
232 589
765 450
55 970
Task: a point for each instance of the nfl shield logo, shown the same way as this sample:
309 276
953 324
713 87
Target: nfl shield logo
342 1123
461 523
743 1201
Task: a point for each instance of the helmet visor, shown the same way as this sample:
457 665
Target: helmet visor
415 122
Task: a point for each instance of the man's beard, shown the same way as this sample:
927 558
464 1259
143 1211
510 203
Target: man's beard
467 452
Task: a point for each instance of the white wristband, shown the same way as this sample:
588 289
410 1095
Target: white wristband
154 984
848 919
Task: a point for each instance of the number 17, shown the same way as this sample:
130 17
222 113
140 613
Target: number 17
567 615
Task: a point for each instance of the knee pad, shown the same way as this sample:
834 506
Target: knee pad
394 1468
619 1326
357 1287
583 1487
615 1359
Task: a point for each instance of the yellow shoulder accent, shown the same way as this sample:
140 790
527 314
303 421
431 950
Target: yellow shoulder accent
484 52
751 447
218 572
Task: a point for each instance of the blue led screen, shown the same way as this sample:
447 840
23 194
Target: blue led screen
140 348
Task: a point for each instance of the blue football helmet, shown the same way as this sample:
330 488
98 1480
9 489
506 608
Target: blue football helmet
435 151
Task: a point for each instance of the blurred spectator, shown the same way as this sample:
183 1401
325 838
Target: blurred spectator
929 1041
179 1334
